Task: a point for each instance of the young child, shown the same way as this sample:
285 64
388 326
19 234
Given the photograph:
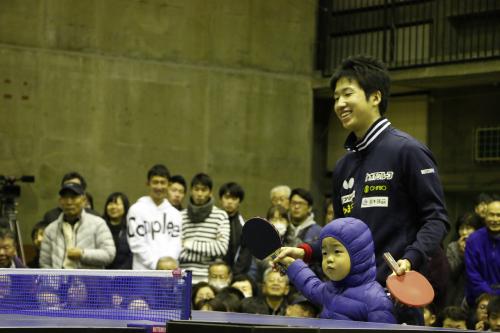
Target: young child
453 317
349 263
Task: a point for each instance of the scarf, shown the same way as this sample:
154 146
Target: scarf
199 213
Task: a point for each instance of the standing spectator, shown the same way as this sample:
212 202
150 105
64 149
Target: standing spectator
303 226
36 239
205 229
280 195
482 256
8 258
176 191
231 196
154 225
115 215
76 239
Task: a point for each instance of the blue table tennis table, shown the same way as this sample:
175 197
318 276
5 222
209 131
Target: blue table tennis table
205 322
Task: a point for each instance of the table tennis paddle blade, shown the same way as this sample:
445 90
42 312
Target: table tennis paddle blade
411 288
262 239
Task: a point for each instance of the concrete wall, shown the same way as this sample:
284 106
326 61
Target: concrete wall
110 88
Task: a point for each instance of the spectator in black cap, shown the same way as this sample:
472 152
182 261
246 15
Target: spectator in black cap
76 239
70 177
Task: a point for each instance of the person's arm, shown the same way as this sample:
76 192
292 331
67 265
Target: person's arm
211 247
136 237
423 183
105 250
306 281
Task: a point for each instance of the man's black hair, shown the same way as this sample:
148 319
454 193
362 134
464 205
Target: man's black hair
202 179
371 75
232 189
304 194
179 180
73 175
158 170
454 313
7 233
482 198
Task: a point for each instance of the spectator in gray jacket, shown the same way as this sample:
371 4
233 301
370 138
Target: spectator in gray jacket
76 239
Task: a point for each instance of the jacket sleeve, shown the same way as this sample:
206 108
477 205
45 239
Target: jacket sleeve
476 284
420 173
46 250
137 241
306 281
104 251
212 247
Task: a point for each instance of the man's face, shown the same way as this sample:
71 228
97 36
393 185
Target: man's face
7 251
458 324
72 204
176 193
230 204
279 198
464 233
351 107
200 194
336 260
482 310
219 276
158 188
299 208
329 213
275 284
481 209
492 219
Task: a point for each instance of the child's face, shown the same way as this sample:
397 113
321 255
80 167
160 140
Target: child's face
458 324
336 260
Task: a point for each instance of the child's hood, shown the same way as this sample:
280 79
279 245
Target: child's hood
355 235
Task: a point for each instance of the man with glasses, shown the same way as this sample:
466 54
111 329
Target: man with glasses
303 226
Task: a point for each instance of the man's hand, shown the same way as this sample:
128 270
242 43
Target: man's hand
291 252
404 266
75 253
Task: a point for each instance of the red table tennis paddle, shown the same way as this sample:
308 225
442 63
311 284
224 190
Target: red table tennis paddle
411 289
262 239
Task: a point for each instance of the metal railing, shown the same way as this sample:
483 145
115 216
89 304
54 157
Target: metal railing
408 33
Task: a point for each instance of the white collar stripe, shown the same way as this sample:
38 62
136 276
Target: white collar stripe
369 134
362 146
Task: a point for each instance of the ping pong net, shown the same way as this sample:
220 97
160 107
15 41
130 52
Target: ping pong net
156 296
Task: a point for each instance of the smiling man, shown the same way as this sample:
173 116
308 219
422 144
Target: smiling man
387 179
154 225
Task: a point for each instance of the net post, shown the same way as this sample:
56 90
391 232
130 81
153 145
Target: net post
186 302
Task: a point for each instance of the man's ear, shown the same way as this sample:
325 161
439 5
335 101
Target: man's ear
376 98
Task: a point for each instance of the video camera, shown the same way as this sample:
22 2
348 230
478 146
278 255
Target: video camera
9 189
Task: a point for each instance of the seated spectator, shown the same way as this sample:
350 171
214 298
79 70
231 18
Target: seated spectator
430 315
479 314
231 298
115 214
274 292
167 264
280 196
301 307
202 291
253 305
211 305
453 317
494 314
70 177
465 225
245 284
219 274
76 239
36 239
482 256
481 205
8 244
205 229
177 189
